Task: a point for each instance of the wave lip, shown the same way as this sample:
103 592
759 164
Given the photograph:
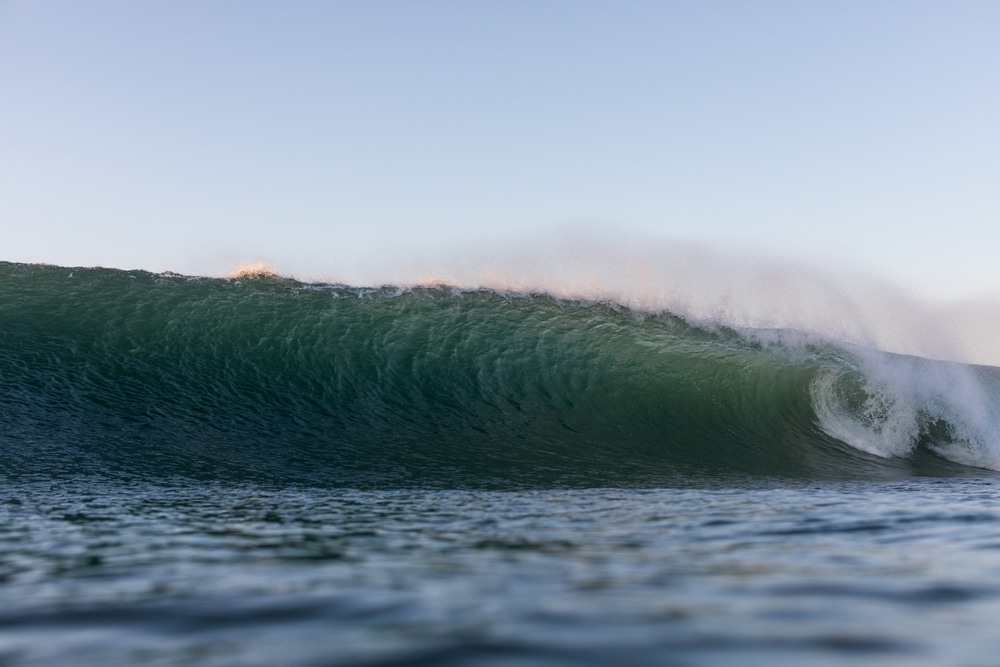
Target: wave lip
259 377
889 405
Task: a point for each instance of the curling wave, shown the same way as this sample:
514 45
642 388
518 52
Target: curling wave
256 377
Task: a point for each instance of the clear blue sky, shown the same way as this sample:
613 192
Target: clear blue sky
186 135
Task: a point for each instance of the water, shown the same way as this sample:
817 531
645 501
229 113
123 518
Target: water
904 572
259 471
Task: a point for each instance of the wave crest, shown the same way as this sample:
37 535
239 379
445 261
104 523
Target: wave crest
138 374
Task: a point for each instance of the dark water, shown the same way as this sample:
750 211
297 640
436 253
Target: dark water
904 572
260 471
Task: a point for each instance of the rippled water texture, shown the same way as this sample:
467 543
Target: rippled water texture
901 572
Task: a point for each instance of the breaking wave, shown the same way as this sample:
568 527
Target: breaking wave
258 377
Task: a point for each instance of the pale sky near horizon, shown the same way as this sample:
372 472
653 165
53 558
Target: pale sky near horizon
316 135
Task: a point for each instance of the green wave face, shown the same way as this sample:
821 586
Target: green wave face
149 376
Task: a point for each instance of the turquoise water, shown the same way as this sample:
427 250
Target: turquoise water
262 471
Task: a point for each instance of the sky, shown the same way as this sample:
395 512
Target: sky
322 137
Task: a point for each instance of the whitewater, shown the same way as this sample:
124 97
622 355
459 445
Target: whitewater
567 455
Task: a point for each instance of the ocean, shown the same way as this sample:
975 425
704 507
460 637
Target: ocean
256 470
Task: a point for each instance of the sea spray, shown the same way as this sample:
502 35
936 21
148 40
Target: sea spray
706 286
890 404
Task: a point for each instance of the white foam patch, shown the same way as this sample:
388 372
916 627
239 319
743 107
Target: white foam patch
905 396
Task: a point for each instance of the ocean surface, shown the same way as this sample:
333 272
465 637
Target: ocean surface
258 471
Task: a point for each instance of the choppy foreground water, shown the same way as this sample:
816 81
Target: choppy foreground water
885 572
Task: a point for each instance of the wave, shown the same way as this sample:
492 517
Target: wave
258 377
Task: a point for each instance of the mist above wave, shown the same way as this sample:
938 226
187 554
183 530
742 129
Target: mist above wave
706 286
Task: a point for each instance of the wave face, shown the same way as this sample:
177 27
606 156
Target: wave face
140 375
